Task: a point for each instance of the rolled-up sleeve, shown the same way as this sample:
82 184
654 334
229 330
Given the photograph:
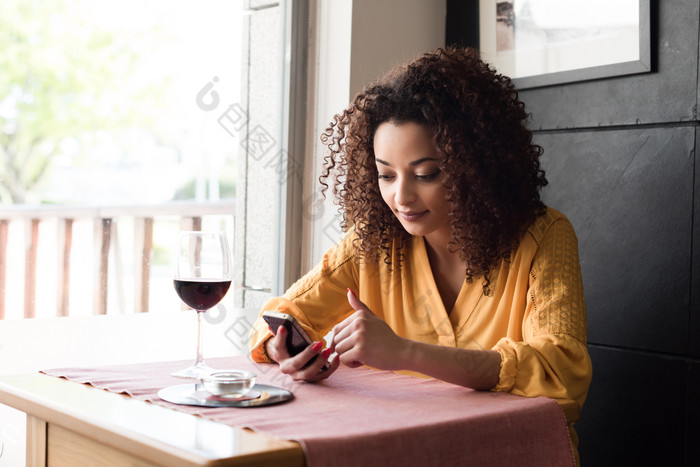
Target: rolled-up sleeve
318 300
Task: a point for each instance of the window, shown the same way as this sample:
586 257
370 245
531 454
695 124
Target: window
145 103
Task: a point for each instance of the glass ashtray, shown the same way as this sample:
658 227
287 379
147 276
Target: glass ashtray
230 384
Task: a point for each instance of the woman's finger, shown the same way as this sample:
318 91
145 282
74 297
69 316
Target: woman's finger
344 341
355 302
357 322
315 371
357 305
342 331
277 349
339 329
350 358
294 364
333 365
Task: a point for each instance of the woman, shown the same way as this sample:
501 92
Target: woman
451 266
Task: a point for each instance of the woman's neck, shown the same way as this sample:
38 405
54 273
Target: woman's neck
448 269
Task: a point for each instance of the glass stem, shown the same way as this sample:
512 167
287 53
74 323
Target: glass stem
199 362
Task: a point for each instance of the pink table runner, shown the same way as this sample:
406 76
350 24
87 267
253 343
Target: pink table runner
368 417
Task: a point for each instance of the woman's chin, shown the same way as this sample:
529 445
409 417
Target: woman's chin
414 230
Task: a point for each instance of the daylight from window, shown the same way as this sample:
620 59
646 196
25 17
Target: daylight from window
98 100
106 103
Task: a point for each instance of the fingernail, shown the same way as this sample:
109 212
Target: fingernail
317 346
326 353
350 290
269 328
280 330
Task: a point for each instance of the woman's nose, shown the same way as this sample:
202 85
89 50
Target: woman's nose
405 192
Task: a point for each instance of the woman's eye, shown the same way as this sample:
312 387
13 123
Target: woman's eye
428 177
384 177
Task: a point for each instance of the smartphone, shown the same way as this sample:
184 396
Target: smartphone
297 338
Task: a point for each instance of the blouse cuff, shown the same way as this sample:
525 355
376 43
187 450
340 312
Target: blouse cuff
259 353
509 365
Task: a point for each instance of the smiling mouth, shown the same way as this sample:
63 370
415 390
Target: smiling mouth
411 216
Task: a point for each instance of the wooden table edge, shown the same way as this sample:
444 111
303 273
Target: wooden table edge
263 448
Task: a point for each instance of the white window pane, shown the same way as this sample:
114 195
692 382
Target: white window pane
131 103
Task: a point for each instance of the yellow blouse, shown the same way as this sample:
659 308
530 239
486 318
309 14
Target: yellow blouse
535 317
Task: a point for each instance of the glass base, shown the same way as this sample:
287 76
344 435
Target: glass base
194 371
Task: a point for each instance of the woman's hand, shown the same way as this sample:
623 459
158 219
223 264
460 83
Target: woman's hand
365 339
294 366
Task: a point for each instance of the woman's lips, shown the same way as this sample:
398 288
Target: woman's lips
411 216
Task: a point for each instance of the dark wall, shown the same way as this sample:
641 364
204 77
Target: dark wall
620 155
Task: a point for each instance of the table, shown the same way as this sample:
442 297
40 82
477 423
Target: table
71 424
74 424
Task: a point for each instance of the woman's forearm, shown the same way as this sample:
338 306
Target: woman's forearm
477 369
365 339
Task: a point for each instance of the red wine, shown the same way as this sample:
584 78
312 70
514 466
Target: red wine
201 294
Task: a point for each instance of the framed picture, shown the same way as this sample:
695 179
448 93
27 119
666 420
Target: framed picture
545 42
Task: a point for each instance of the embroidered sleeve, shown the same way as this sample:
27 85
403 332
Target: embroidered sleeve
552 360
556 288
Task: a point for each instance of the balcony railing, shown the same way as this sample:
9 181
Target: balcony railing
189 215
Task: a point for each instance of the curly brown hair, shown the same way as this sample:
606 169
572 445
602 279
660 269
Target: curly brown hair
478 126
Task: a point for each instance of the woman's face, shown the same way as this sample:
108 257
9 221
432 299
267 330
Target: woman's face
410 179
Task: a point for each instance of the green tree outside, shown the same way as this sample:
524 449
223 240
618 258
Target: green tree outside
64 79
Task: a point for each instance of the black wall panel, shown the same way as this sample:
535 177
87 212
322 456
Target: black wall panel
695 274
693 416
629 195
666 95
635 413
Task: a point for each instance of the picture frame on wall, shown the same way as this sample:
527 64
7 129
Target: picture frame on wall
546 42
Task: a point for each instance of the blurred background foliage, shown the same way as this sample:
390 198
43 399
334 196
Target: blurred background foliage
81 92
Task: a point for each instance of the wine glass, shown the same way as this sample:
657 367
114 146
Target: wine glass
202 278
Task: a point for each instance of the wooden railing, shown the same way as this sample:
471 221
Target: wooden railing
104 219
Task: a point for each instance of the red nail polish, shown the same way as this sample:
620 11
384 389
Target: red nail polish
270 329
351 291
281 330
326 353
317 346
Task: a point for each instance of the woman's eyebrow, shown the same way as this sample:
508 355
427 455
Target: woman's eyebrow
421 160
412 163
